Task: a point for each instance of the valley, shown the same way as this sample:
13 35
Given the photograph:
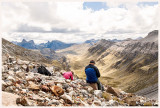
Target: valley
131 65
127 65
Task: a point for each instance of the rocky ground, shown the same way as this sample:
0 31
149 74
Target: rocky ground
34 89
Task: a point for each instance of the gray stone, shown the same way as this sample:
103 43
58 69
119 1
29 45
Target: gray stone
84 92
21 74
67 98
97 103
53 101
72 93
98 93
11 78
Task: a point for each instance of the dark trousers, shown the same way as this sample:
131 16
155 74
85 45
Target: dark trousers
100 86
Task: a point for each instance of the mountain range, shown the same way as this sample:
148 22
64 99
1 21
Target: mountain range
54 44
130 64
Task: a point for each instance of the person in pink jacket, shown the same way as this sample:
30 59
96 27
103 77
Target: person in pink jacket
68 75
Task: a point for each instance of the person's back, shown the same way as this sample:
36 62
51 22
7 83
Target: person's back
91 74
68 75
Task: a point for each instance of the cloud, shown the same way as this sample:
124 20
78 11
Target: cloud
70 22
28 28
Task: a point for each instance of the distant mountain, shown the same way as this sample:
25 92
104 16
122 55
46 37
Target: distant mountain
26 44
92 41
151 37
54 45
114 40
139 38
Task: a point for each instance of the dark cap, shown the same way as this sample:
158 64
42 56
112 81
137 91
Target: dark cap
92 61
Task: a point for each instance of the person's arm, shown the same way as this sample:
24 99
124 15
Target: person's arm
97 71
71 76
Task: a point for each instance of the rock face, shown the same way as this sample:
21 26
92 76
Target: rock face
34 89
9 99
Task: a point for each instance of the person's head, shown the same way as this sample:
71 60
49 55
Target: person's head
92 62
72 72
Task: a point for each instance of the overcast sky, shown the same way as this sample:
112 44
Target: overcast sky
77 21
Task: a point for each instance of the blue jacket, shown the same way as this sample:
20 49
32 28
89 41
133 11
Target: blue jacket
92 73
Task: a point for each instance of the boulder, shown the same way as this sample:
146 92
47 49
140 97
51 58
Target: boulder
72 93
113 91
21 74
69 89
57 90
4 68
42 94
113 103
98 93
132 101
53 101
33 86
60 85
65 86
90 89
24 101
10 89
11 78
20 62
97 103
45 88
8 82
24 66
9 99
4 85
84 92
68 81
106 96
148 104
36 97
67 98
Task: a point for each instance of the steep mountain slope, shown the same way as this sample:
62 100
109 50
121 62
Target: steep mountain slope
22 53
131 65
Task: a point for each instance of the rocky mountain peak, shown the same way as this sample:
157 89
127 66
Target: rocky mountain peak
24 41
151 37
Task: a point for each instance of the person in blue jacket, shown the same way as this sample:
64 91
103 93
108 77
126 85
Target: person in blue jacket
92 75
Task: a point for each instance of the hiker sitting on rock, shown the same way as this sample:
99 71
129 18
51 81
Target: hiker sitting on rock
92 75
68 75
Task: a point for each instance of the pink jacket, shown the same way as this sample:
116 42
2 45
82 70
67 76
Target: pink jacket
68 75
